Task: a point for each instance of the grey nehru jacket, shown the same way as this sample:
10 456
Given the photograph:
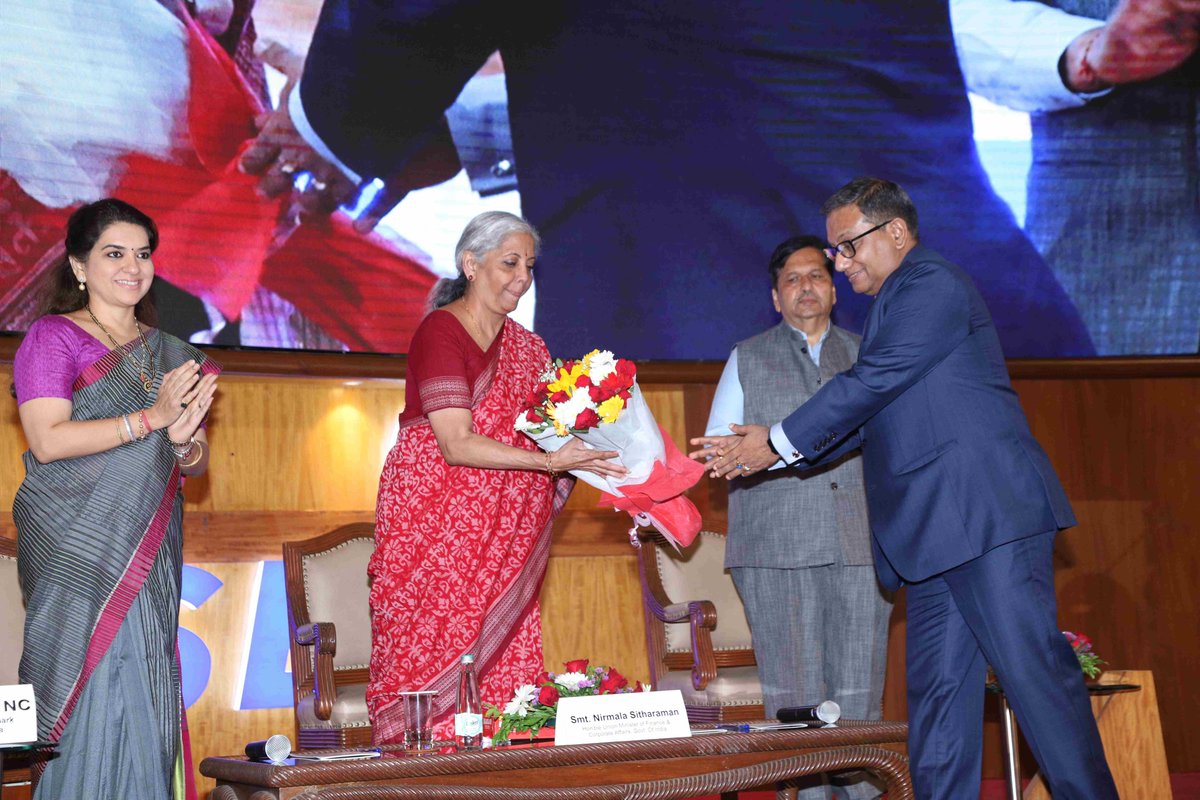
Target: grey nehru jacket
778 518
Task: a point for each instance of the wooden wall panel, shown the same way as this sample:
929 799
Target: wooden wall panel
296 454
591 608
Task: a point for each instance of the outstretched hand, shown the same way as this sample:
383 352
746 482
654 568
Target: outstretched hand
744 453
1142 39
279 153
575 455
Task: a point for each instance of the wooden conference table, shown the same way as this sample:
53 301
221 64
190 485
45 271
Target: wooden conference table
661 768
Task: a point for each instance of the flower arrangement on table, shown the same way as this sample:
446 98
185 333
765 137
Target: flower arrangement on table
597 399
534 705
1081 646
1089 662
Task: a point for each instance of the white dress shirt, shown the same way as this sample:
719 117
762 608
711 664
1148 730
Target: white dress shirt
1009 51
729 402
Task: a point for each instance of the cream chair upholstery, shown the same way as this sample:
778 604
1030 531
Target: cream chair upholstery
697 635
12 621
330 627
12 635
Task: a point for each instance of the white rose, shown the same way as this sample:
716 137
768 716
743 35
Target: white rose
566 413
601 365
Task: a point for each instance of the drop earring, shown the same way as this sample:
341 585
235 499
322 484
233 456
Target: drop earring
82 287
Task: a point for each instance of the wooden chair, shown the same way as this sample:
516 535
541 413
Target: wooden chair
330 631
697 636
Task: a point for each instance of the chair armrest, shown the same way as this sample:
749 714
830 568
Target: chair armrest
701 616
322 637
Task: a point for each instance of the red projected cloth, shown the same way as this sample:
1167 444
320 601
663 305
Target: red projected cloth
220 240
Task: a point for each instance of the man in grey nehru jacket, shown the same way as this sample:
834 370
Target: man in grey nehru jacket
799 544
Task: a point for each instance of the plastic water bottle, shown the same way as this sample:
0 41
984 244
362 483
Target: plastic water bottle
468 713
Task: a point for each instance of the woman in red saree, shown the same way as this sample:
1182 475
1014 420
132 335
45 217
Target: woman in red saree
462 525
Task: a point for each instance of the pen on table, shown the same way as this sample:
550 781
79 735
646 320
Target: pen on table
735 727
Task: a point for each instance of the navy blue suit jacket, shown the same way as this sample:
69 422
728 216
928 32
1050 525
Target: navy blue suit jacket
951 467
663 149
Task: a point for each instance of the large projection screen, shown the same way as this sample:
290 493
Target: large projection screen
663 150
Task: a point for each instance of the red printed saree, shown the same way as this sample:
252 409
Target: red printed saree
460 554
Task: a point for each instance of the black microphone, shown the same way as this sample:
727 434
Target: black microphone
274 749
826 713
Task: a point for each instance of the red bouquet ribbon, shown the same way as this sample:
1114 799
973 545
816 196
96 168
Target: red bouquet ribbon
661 494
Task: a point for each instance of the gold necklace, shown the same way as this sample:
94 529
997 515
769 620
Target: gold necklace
471 316
147 380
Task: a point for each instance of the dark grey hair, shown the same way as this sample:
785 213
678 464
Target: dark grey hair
483 234
785 249
877 199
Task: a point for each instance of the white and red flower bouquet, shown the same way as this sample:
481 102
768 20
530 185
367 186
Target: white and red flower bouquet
597 399
535 705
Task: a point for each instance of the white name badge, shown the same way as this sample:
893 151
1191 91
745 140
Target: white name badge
18 714
621 718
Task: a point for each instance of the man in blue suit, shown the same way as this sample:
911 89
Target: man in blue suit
964 503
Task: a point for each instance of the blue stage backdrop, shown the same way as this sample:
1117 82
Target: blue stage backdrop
662 149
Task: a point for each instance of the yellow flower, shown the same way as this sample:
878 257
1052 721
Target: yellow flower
565 381
611 408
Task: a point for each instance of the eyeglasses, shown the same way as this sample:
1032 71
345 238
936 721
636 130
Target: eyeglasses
846 249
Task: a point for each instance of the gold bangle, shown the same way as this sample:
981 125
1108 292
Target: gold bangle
550 465
199 448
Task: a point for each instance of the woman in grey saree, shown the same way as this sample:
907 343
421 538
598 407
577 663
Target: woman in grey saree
112 428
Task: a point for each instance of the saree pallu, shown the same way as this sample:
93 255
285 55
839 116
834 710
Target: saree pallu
460 554
100 557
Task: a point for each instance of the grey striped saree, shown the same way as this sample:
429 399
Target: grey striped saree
100 558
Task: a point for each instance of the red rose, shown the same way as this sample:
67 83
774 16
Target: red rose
614 383
613 681
597 394
545 677
548 696
533 416
559 397
626 368
578 665
583 380
587 419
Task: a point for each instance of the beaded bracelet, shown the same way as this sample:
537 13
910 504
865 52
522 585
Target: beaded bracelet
182 449
144 422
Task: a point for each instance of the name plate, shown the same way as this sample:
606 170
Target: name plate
621 718
18 714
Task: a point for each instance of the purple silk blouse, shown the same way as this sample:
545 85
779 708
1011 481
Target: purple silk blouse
53 354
